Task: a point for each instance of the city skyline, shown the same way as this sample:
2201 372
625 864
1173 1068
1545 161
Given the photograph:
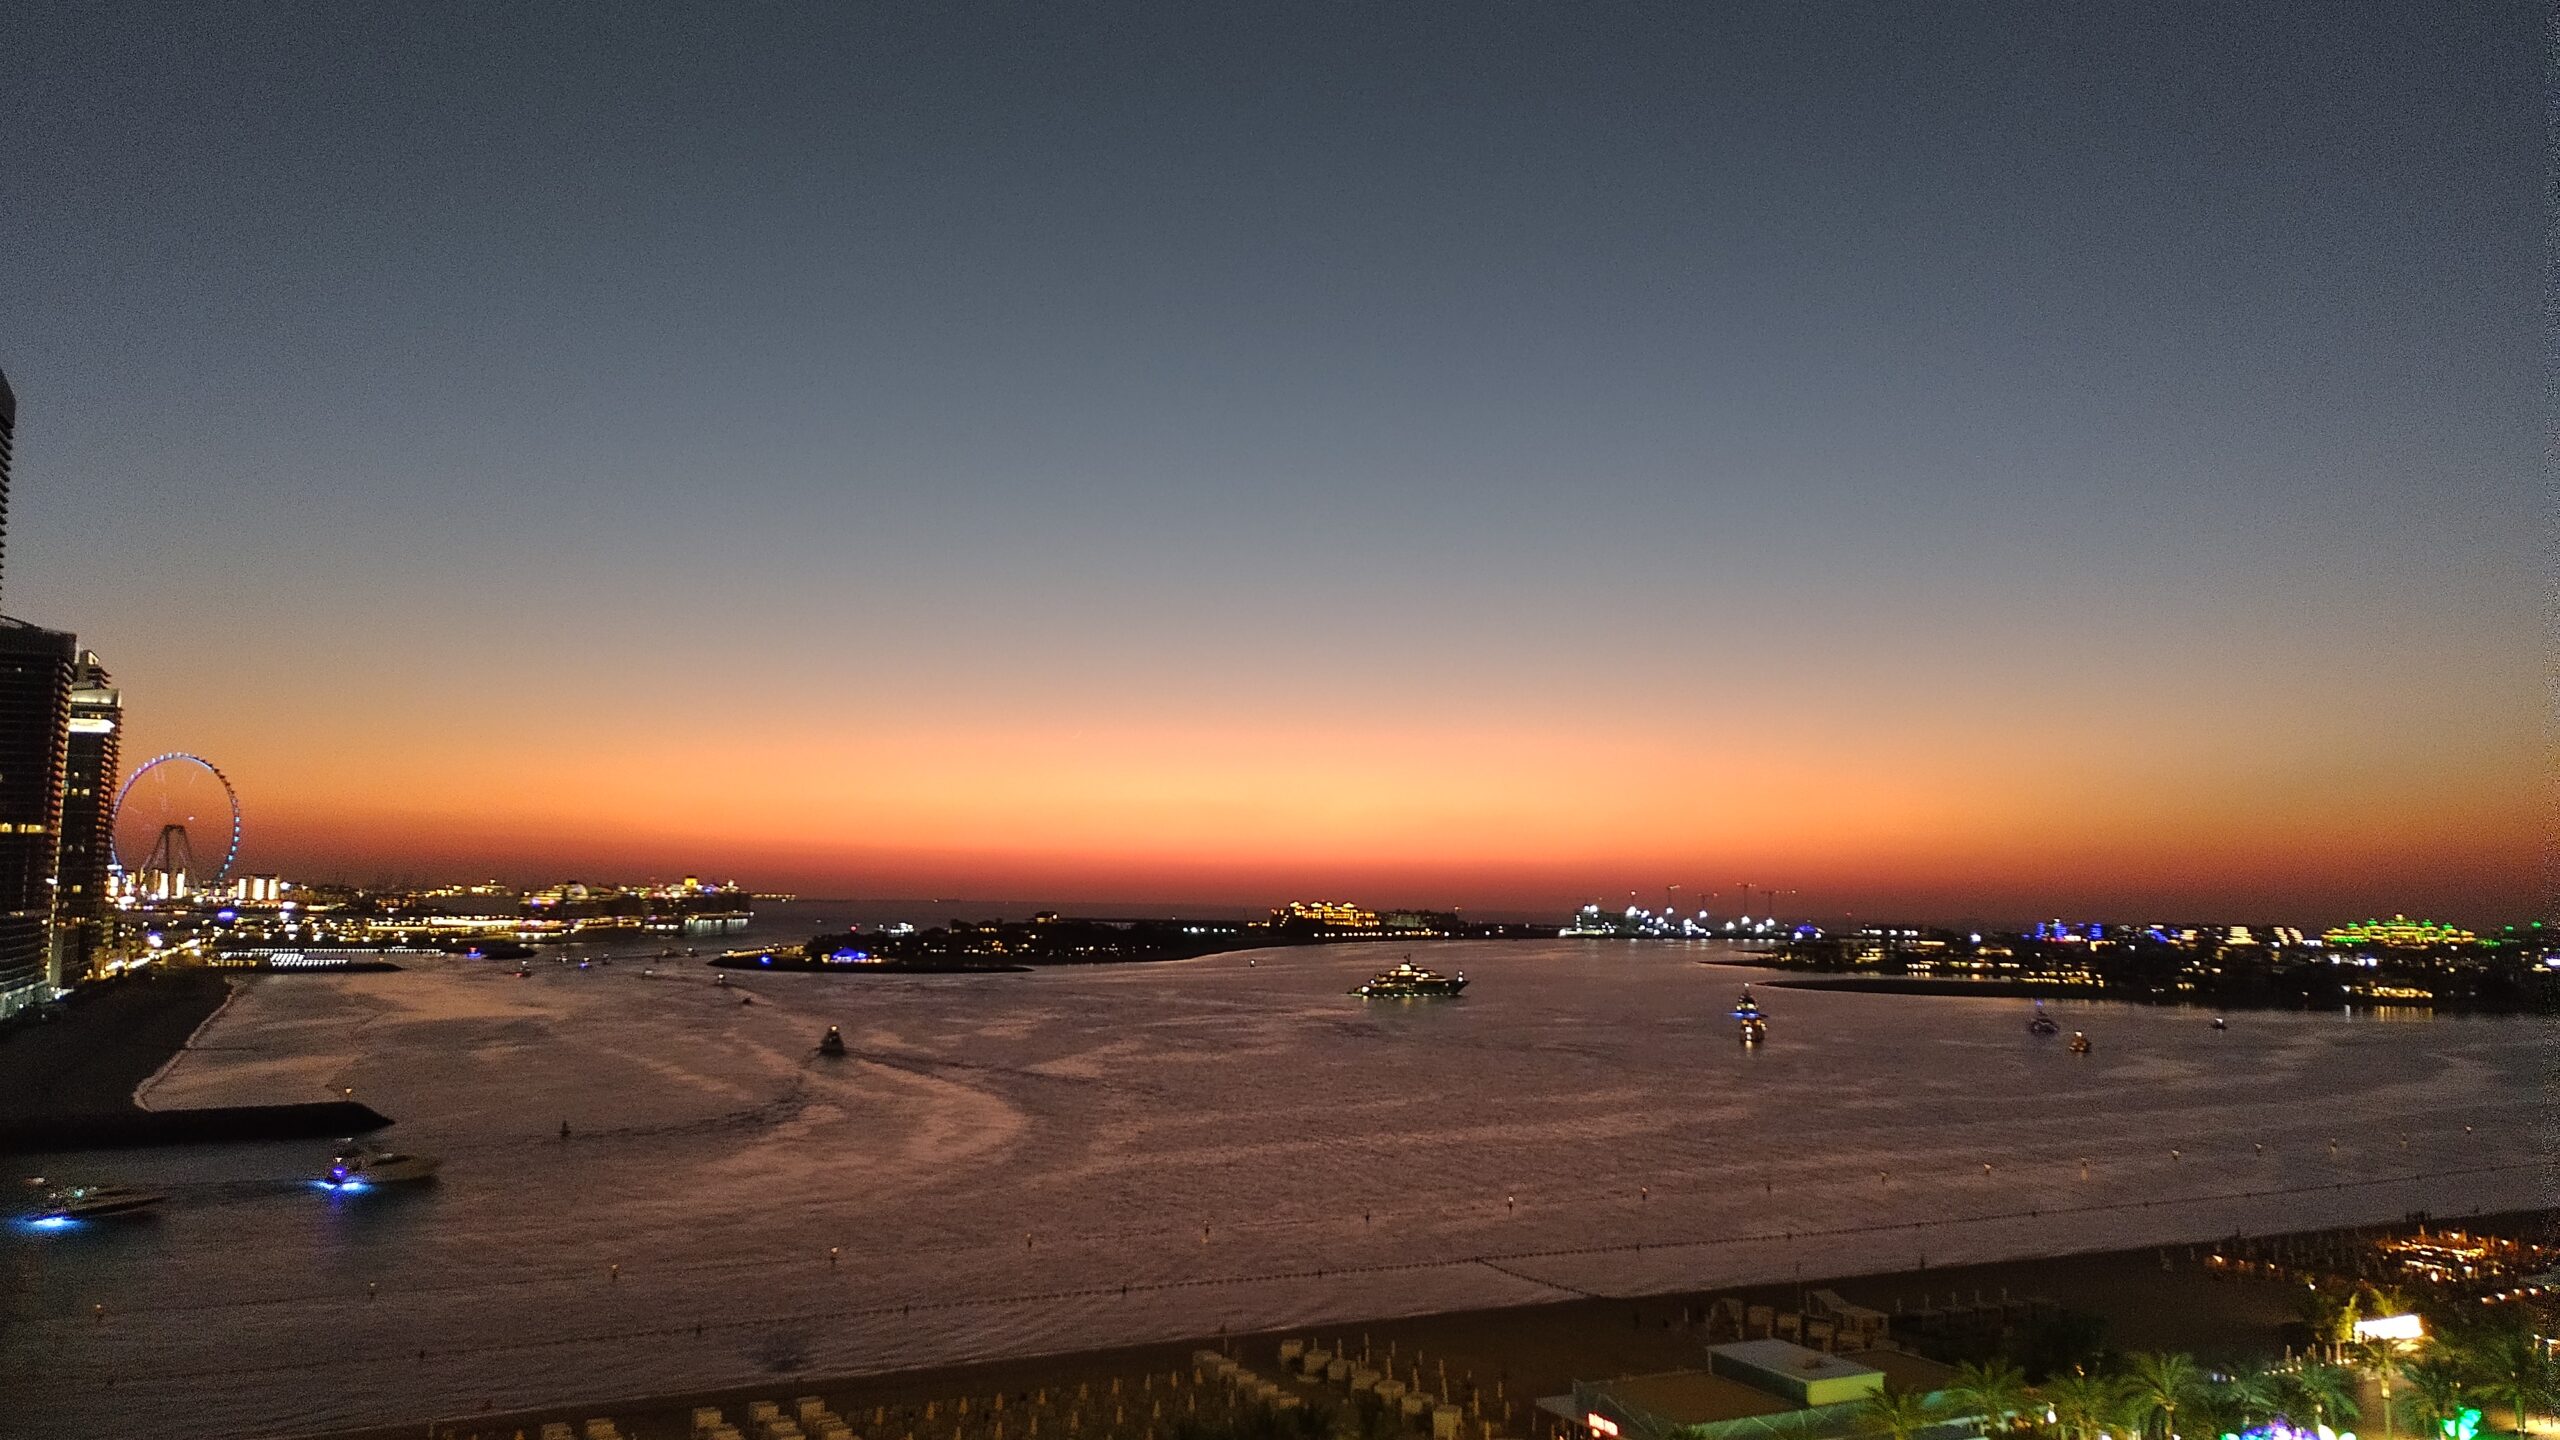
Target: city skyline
2000 466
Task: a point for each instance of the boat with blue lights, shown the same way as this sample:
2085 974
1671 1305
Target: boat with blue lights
1409 981
69 1204
2042 1024
361 1167
1746 1008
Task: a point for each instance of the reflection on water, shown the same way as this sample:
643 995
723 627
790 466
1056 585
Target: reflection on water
1018 1163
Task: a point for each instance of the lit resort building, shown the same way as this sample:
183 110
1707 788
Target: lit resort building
2400 932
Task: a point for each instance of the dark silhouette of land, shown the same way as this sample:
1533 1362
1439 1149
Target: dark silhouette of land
69 1072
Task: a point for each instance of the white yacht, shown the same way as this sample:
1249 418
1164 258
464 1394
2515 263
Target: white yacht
64 1204
360 1167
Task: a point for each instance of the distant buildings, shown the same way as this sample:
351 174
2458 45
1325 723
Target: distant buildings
2400 932
2398 963
1419 924
1320 920
1637 923
1324 914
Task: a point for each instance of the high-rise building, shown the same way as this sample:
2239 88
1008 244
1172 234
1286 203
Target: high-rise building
80 911
8 447
35 728
35 724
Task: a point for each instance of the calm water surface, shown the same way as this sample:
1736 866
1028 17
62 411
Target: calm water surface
1240 1144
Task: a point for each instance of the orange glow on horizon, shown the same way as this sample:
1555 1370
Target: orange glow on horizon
1946 811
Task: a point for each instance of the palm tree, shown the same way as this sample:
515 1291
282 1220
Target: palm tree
1995 1392
1896 1414
2379 1357
2258 1392
2322 1391
2509 1363
2331 1317
2082 1405
2234 1402
2436 1383
2156 1385
2375 1301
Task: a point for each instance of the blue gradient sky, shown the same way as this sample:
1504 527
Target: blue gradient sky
1961 457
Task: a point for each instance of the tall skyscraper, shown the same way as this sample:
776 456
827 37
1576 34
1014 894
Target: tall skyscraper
35 731
35 725
8 447
89 775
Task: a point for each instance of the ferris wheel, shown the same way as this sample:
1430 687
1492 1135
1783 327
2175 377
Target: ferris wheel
177 819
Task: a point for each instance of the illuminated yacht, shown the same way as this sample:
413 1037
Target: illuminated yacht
1746 1008
361 1167
2042 1024
66 1204
1409 981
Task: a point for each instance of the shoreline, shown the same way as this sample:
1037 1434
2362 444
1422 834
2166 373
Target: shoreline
2150 1297
77 1077
142 1089
783 960
1793 978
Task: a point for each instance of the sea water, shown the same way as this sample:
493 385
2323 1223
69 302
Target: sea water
1015 1164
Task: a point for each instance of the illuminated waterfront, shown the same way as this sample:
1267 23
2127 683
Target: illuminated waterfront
1001 1153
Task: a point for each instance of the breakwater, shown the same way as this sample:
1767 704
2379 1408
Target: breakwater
134 1126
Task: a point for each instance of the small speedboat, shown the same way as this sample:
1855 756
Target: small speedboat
2221 1024
361 1167
2079 1042
66 1204
1745 1008
2042 1024
1755 1030
832 1043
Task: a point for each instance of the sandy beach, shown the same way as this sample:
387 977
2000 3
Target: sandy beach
90 1055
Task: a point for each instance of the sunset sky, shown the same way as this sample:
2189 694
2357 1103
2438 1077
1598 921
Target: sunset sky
1946 461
